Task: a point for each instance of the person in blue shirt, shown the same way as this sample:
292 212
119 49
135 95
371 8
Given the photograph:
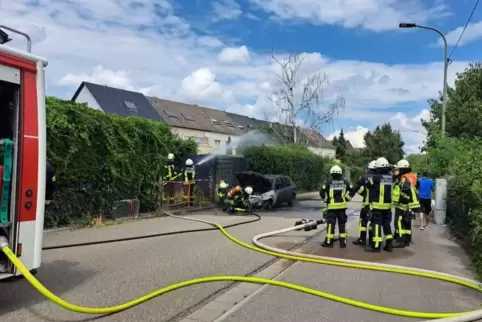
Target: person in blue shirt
425 188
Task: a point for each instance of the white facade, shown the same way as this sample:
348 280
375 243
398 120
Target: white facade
208 142
85 96
327 153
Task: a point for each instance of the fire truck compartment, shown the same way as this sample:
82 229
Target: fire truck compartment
9 116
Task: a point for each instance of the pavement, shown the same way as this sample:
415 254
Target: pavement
111 274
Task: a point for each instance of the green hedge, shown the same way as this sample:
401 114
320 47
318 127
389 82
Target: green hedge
460 161
101 158
305 168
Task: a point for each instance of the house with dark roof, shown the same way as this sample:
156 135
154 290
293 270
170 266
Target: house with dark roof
115 101
214 130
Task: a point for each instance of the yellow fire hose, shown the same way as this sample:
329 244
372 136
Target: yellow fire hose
117 308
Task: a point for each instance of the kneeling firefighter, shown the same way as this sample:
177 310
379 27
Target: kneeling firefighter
238 199
361 189
334 193
380 197
222 191
405 201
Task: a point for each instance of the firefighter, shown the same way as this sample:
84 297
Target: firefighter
50 183
334 193
168 180
380 198
238 199
189 181
222 191
361 189
406 201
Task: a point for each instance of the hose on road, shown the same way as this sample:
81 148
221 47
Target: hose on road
453 317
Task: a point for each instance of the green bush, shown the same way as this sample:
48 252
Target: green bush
101 158
305 168
460 161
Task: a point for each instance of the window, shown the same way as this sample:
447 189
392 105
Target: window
287 181
188 117
215 122
241 127
197 139
217 144
228 123
170 114
279 184
131 107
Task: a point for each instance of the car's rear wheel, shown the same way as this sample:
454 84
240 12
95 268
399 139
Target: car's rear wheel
292 200
268 205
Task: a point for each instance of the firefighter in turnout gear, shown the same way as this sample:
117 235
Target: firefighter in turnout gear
222 191
189 181
380 198
50 183
168 180
334 193
238 199
405 201
361 189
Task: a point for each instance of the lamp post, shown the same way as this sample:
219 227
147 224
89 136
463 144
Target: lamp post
446 64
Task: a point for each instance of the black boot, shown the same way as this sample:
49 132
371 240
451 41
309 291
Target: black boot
399 244
342 243
388 246
327 244
359 242
372 249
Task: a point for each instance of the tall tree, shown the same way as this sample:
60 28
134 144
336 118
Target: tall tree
384 142
464 108
340 145
299 97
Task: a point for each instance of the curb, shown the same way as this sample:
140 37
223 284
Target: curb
224 305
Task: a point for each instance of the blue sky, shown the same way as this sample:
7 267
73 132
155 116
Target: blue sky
216 53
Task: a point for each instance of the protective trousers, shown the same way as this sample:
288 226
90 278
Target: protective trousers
407 226
189 192
169 193
332 216
381 220
363 224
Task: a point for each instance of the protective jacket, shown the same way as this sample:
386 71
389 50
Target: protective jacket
335 193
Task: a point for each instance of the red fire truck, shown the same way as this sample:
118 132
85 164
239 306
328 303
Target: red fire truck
22 153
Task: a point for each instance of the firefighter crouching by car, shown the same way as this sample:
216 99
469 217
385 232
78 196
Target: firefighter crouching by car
380 197
361 189
222 191
169 186
189 182
405 201
334 193
238 199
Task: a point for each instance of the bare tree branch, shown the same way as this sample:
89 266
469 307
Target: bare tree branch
299 96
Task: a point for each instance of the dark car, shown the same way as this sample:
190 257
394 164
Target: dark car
269 191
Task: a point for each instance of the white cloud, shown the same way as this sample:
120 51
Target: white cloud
410 128
375 15
234 55
471 34
134 45
354 136
226 10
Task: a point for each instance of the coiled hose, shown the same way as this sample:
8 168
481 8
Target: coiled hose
455 317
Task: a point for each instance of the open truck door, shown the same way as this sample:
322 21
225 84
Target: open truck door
22 153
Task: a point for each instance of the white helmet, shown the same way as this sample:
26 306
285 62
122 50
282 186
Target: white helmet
372 165
403 164
223 185
189 162
382 163
248 190
335 170
170 156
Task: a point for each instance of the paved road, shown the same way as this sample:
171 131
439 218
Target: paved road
432 250
110 274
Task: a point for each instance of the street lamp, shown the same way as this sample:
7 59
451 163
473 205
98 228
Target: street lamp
446 64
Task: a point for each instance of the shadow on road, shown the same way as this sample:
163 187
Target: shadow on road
58 276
